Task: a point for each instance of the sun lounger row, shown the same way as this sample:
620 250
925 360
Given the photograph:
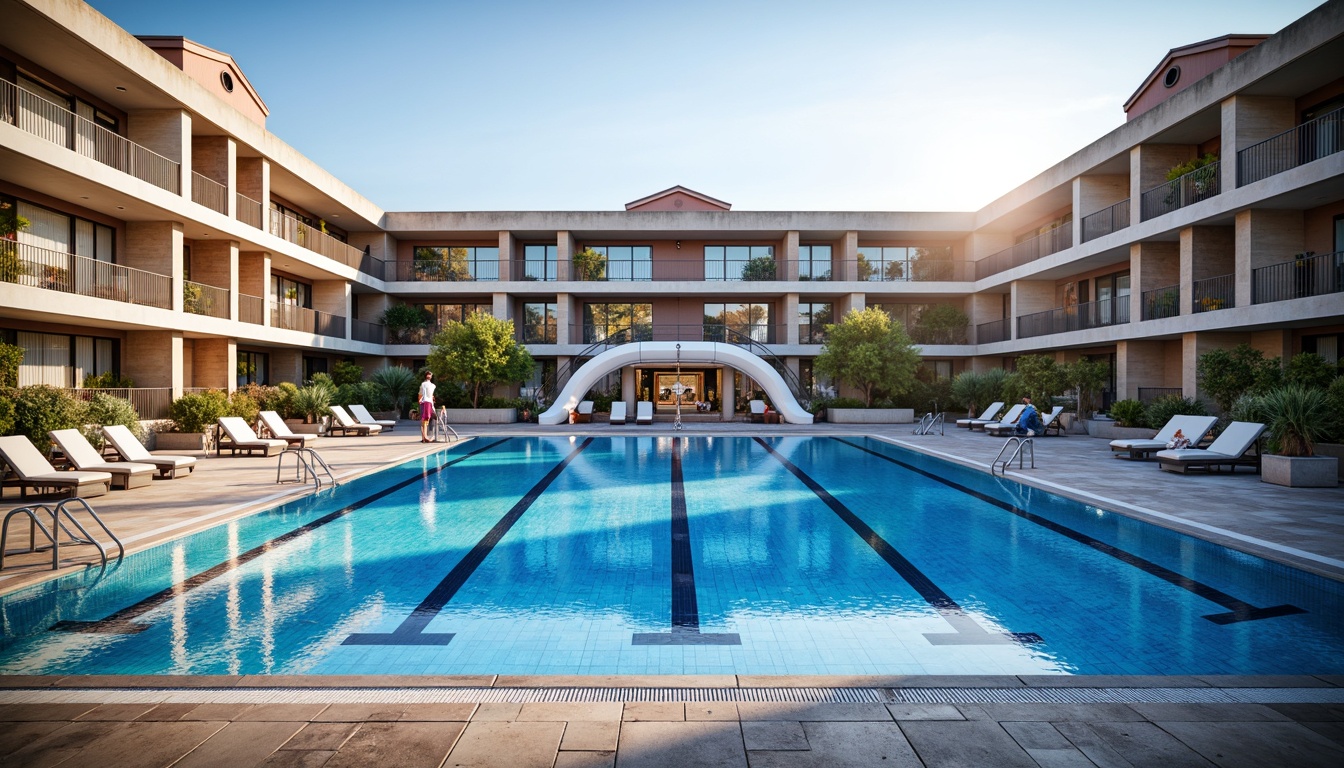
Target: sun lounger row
989 423
1232 449
643 412
93 474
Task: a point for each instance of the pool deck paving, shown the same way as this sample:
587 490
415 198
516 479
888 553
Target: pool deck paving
304 721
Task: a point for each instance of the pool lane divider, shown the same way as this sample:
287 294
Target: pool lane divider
967 630
411 630
685 607
1237 610
122 622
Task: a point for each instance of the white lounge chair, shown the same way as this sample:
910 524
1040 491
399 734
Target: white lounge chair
238 436
985 418
279 430
618 412
130 449
344 423
584 413
756 411
1193 427
1229 450
34 471
644 412
1003 428
1009 419
86 458
363 416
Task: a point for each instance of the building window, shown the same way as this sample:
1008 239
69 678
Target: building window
539 262
313 365
284 291
455 263
633 322
253 368
814 262
900 263
61 360
739 262
726 322
539 323
1112 299
812 321
627 262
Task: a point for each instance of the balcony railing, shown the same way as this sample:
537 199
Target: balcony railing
1149 394
293 318
763 333
372 333
210 193
54 123
1303 276
149 402
1162 302
287 227
420 271
251 309
1213 293
1200 184
202 299
373 266
329 325
994 331
1106 221
248 210
1025 252
1093 314
1309 141
42 268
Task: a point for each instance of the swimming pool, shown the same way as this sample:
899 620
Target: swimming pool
689 555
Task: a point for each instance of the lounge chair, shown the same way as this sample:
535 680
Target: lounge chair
363 416
1229 450
130 449
1005 429
644 412
618 412
343 423
1009 419
279 430
756 411
34 471
1193 427
238 436
987 417
584 413
86 458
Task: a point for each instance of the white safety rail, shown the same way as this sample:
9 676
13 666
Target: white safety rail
309 467
61 521
929 422
1017 448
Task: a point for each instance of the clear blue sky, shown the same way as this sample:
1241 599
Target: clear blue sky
441 106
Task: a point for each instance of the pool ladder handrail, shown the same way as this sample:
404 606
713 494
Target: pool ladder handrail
58 525
308 466
1022 446
929 421
442 427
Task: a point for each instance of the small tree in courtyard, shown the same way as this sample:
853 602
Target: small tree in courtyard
869 352
479 353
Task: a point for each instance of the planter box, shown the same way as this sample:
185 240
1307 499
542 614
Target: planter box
180 441
1332 449
1300 471
320 428
870 415
482 415
1108 430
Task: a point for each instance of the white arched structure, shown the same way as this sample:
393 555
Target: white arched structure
665 353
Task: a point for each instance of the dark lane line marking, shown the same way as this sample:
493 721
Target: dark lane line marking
685 607
411 630
968 630
121 621
1238 610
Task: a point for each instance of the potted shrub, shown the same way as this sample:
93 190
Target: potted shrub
1297 417
193 418
313 403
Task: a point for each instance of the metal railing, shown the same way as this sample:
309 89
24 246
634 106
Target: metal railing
248 210
1106 221
1213 293
1149 394
993 331
1309 141
1092 314
1200 184
421 270
149 402
1305 275
287 227
373 266
55 123
919 271
210 193
1027 251
202 299
1162 302
293 318
67 273
760 333
363 330
329 325
251 309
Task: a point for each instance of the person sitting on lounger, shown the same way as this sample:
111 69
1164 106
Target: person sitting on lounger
1178 441
1029 423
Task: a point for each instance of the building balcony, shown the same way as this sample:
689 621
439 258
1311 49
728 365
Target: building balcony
1305 275
1106 221
1081 317
288 228
1310 141
1200 184
67 273
1214 293
207 300
1162 302
1058 239
295 318
679 270
209 193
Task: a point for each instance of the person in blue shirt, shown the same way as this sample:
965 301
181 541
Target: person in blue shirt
1029 423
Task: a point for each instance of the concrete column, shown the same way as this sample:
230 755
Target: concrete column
629 391
1249 120
215 262
1095 193
790 256
1029 297
1148 166
1274 342
156 246
564 253
215 158
728 394
564 304
154 359
167 132
1139 364
502 308
1154 265
287 365
254 181
333 297
790 318
215 363
372 306
508 244
847 269
1264 237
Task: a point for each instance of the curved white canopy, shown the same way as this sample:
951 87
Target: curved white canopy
665 352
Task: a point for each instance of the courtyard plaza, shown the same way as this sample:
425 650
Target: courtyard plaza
727 720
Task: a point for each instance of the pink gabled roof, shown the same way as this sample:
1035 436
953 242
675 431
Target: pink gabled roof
675 195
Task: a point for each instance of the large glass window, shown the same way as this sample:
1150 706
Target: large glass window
617 322
812 321
61 360
627 262
739 262
893 263
724 322
539 323
539 262
253 368
284 290
814 262
455 263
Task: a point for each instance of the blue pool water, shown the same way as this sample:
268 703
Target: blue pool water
636 555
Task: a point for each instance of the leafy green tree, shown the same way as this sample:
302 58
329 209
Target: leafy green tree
404 322
479 353
1039 377
1226 374
346 372
941 324
1310 370
868 351
11 357
1087 378
41 408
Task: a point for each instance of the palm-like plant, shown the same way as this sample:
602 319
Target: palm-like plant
1298 417
398 384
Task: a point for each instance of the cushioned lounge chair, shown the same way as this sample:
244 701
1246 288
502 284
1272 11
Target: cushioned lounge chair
1193 427
34 471
238 436
987 417
756 411
363 416
618 412
584 413
279 430
1229 450
84 457
344 424
130 449
644 412
1004 429
1009 419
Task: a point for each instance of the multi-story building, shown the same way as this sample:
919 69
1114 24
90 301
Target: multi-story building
173 240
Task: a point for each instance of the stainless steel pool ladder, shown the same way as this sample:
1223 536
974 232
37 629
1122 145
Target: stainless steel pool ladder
61 520
929 422
309 466
1022 447
441 427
